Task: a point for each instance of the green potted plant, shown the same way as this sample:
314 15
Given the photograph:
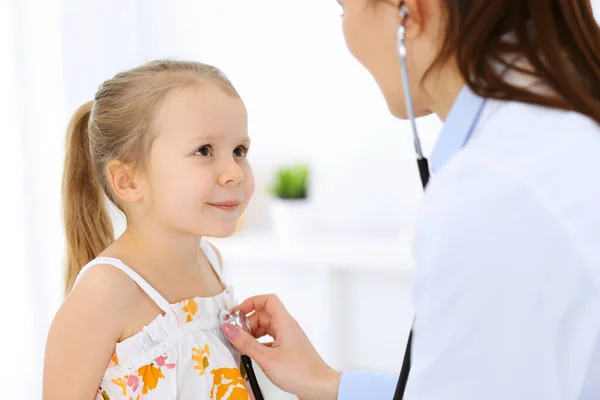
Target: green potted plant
290 210
291 182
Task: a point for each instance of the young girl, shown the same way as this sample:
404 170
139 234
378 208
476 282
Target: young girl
166 143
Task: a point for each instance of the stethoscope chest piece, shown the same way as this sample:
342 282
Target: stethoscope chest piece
237 318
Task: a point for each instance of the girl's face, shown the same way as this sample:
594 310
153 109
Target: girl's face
199 181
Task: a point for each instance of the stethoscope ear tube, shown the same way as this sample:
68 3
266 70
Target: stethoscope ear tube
408 100
424 174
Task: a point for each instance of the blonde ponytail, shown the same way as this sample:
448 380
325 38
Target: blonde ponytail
87 224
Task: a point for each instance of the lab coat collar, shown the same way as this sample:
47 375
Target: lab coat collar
459 126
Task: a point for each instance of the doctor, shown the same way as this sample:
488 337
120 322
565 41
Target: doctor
507 295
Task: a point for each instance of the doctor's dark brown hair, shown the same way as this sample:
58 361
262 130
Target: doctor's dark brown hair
116 125
559 39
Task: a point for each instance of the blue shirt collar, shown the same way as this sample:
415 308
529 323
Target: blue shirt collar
459 126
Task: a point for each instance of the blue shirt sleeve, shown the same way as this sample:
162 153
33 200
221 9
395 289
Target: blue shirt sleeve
360 385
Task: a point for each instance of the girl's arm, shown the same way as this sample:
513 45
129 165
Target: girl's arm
83 334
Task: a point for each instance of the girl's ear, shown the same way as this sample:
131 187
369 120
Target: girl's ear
122 179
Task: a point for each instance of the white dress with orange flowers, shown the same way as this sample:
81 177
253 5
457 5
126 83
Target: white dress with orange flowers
179 355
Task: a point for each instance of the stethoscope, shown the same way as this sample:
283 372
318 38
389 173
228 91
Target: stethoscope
240 320
422 162
424 173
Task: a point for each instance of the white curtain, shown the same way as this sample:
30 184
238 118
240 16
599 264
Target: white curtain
32 115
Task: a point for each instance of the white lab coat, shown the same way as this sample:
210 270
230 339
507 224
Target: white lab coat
507 293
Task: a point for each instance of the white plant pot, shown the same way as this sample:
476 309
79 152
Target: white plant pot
292 219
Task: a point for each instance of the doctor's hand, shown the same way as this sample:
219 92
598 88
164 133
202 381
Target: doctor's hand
290 362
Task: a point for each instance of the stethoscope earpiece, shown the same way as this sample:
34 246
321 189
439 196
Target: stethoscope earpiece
403 11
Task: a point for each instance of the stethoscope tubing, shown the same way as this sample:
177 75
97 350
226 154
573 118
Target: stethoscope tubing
424 174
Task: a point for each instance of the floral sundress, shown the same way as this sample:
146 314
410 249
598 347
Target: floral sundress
179 355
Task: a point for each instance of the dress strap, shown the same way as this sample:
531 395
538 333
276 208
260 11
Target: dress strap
145 286
213 259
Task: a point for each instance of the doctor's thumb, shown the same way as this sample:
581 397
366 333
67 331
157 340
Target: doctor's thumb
245 343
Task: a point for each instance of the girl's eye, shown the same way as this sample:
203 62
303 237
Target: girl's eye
240 151
204 151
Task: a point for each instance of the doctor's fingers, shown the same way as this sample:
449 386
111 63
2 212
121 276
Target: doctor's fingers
261 324
267 304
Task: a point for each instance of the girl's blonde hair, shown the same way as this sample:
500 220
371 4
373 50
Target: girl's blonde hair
115 126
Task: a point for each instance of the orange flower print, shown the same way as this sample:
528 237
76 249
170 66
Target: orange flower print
228 384
201 357
191 308
150 376
114 361
122 384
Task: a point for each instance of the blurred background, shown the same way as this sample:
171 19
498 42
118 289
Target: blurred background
338 255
